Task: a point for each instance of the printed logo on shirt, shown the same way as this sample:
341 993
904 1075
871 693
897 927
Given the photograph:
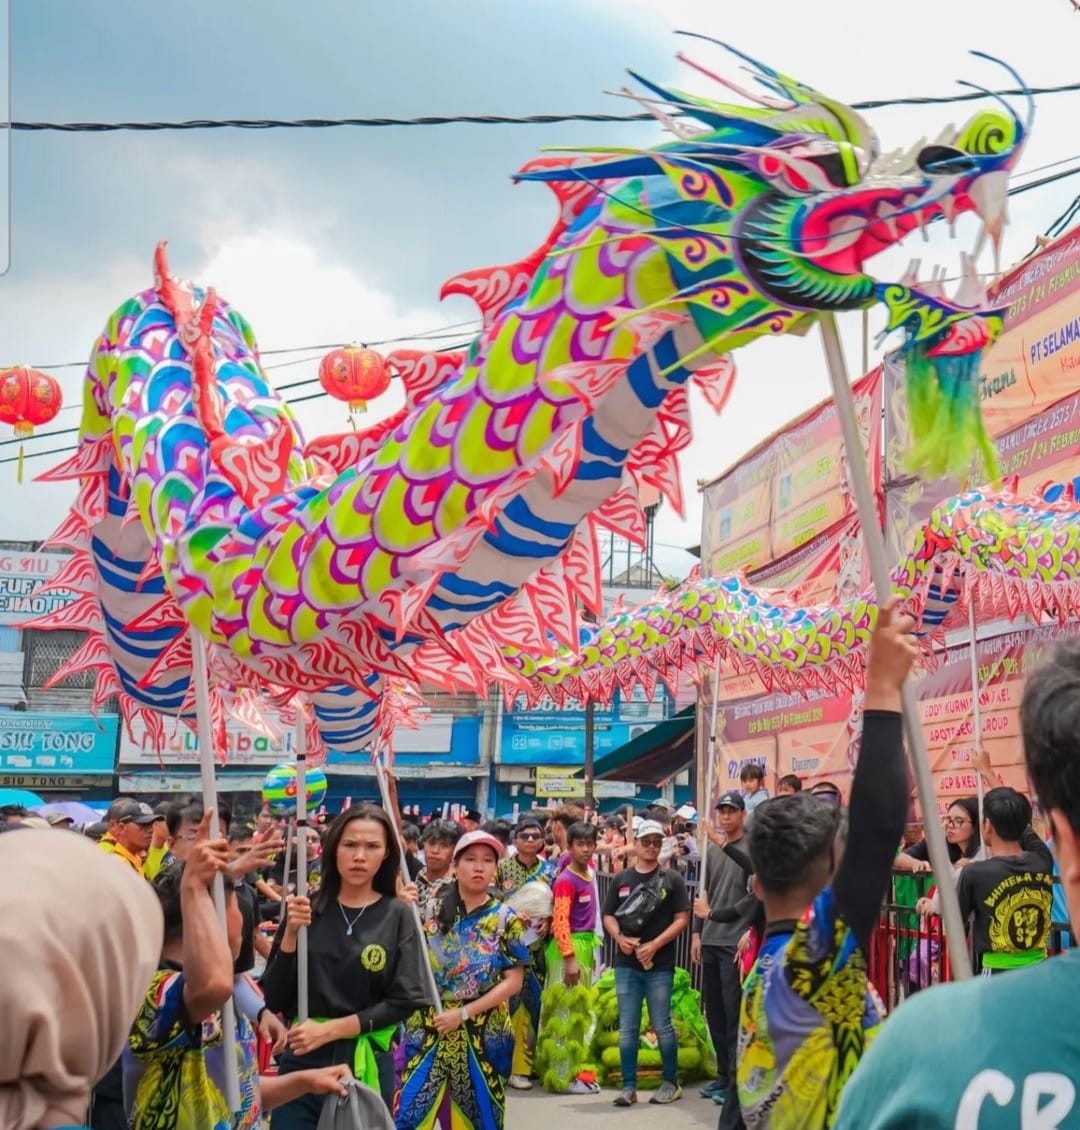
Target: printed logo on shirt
585 896
623 892
373 958
1021 918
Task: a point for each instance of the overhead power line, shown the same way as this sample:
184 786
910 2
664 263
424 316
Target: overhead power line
469 119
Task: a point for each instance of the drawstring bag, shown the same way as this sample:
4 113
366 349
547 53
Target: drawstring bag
362 1109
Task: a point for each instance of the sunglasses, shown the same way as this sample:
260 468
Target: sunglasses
955 821
529 836
651 841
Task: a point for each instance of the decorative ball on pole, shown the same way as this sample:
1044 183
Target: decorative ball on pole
28 398
279 789
354 374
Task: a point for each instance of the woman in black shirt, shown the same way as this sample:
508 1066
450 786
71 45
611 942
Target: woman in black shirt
364 962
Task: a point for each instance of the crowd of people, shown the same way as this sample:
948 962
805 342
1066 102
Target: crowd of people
440 955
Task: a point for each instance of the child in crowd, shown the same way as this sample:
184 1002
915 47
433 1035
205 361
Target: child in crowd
566 1015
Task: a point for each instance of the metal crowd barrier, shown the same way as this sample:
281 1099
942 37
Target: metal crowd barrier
907 951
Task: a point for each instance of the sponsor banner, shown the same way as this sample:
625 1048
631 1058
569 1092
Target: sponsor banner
21 572
1040 450
789 490
136 783
44 745
556 735
555 782
1033 365
243 746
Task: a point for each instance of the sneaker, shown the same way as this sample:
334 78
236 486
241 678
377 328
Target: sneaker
719 1097
520 1083
713 1088
627 1097
668 1093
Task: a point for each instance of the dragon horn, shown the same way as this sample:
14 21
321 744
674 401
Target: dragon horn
1015 76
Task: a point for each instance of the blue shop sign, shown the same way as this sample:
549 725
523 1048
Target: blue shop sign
524 743
47 744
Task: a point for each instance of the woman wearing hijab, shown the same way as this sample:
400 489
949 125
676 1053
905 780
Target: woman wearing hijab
81 938
457 1062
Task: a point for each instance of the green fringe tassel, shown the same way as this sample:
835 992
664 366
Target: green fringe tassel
948 435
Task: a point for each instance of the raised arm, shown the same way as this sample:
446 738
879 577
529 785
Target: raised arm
878 805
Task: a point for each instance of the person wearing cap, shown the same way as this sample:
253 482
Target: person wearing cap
645 963
511 875
716 938
158 851
59 820
471 819
457 1061
130 829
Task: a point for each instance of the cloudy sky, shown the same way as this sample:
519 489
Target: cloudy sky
342 235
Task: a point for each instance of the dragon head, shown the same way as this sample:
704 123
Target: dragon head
771 211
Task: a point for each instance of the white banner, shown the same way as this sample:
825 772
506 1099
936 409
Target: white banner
21 573
187 783
245 747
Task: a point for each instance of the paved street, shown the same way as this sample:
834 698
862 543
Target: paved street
535 1110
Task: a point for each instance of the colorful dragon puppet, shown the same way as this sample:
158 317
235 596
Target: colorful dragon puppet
468 523
1008 554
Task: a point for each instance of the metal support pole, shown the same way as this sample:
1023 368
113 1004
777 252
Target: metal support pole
590 754
976 713
879 569
429 973
705 817
301 862
209 791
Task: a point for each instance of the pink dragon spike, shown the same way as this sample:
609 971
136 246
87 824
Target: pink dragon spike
572 195
582 568
665 477
622 514
173 657
555 609
75 575
562 457
90 458
106 685
72 533
363 637
92 654
422 373
589 381
150 570
175 298
346 449
514 623
82 614
716 381
401 607
163 613
90 501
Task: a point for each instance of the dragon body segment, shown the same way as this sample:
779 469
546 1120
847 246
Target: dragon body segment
1007 554
357 567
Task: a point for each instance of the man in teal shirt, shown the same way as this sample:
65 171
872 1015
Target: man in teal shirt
1000 1052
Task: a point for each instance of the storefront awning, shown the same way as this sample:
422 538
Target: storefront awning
654 756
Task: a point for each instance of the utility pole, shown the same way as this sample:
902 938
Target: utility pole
590 736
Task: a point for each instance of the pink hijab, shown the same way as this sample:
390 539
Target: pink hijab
81 934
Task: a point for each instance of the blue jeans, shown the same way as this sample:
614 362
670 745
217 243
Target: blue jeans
632 988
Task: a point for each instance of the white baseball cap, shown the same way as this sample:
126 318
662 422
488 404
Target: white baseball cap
650 828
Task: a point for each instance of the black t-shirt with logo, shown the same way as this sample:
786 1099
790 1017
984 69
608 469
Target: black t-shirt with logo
375 971
1010 897
674 900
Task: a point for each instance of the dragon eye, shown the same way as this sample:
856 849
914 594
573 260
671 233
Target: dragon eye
945 161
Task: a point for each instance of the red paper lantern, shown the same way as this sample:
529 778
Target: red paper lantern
27 398
354 374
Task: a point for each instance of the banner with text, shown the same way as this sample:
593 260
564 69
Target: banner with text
21 572
1034 364
1042 449
789 490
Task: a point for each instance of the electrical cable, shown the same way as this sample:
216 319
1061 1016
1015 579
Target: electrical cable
472 119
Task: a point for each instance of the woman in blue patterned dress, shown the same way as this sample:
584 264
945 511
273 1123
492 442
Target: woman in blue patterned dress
457 1062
